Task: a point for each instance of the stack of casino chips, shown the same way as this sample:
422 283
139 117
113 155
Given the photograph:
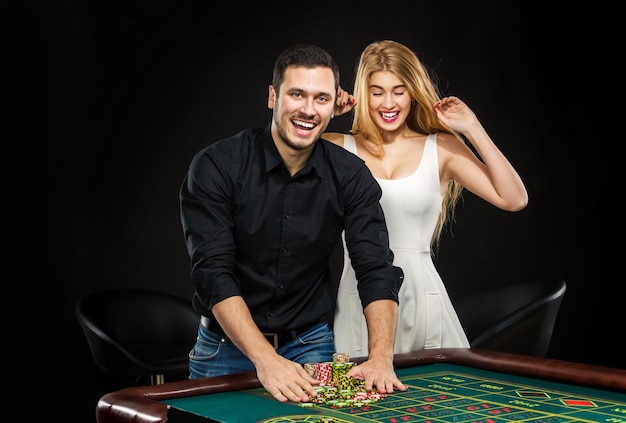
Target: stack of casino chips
341 358
310 369
329 372
324 373
337 389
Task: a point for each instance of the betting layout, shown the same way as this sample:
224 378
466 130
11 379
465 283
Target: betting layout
456 394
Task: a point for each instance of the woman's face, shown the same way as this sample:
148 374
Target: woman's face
389 101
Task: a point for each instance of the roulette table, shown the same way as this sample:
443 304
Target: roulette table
444 385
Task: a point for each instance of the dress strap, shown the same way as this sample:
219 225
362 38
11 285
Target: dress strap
349 143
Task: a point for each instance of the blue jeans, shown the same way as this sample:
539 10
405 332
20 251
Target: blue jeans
212 357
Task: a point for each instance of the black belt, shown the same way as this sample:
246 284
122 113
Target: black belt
276 339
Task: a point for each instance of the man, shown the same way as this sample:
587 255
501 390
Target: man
261 213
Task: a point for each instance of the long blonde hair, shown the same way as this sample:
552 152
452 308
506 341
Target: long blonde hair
392 56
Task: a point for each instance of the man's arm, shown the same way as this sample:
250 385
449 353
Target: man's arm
378 372
379 281
206 219
282 378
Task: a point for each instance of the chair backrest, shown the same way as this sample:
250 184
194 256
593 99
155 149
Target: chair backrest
517 318
138 332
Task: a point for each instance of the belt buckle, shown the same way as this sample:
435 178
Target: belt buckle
272 335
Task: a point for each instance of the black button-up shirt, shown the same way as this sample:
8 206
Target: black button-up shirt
252 230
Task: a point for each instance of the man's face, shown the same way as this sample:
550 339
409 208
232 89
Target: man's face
304 107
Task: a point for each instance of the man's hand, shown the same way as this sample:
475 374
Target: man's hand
286 380
282 378
377 374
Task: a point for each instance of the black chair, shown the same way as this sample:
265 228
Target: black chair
139 333
518 318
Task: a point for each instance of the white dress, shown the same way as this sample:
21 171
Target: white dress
426 316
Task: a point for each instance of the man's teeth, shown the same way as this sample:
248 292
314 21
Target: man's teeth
305 124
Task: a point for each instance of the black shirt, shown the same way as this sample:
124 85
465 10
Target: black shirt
252 230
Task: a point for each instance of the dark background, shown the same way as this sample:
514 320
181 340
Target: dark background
128 91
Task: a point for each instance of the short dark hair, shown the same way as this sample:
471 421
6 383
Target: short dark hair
303 55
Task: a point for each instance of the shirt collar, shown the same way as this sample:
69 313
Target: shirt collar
273 160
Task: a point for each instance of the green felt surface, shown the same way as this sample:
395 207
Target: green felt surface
438 393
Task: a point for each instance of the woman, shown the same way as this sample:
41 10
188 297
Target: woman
409 138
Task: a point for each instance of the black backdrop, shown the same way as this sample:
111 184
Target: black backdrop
130 90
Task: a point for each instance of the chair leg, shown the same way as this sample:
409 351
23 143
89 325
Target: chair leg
157 379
